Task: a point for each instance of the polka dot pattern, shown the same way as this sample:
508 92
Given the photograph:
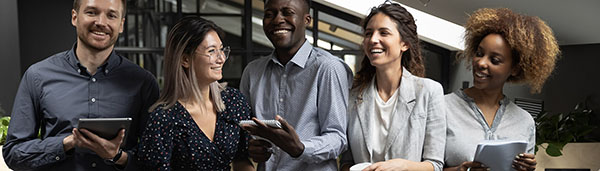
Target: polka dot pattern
173 141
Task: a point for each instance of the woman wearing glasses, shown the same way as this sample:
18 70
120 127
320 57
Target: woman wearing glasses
193 124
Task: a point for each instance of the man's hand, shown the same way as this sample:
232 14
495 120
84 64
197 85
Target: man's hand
68 143
259 150
104 148
286 138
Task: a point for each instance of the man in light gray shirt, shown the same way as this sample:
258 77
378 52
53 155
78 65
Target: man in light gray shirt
308 86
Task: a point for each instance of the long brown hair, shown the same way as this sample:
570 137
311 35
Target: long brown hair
412 61
180 82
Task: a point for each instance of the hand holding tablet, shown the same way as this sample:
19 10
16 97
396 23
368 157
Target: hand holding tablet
107 128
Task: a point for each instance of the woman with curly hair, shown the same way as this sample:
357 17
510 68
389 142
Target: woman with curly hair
502 47
390 88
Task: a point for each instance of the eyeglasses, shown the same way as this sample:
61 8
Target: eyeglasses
213 54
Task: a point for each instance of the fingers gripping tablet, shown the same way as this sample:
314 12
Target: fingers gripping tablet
270 123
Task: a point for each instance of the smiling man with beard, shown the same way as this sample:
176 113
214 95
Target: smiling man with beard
303 84
88 81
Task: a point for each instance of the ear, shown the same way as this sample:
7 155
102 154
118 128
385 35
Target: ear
307 19
404 46
515 71
122 23
185 61
74 17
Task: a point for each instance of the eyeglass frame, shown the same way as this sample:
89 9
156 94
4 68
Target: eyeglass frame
220 52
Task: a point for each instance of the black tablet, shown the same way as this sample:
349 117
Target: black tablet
107 128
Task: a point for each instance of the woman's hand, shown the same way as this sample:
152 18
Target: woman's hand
472 166
393 164
524 162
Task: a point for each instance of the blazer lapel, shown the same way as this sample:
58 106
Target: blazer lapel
365 109
404 108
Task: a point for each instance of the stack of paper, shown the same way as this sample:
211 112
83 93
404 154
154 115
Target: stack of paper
499 154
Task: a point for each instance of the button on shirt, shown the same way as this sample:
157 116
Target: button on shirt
311 93
467 127
56 92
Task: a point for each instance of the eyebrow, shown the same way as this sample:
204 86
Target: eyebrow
214 46
492 52
110 10
381 28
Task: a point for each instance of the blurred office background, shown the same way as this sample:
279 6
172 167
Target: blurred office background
33 30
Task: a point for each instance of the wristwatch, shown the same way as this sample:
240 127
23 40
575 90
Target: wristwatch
114 160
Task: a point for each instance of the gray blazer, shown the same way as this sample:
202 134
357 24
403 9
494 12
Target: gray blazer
418 128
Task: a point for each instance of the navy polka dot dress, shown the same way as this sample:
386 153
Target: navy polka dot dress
173 141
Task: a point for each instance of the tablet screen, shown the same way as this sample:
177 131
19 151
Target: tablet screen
107 128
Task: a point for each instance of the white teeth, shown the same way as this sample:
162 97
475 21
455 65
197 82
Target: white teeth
280 31
218 68
376 50
99 33
480 75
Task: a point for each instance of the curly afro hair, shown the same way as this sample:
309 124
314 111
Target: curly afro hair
534 48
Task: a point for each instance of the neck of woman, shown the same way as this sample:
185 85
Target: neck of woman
488 97
387 80
204 95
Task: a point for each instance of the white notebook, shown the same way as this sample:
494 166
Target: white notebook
499 154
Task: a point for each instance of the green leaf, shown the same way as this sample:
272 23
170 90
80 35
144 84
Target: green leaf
553 150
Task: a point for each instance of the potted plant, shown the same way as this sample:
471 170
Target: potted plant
3 129
559 129
565 141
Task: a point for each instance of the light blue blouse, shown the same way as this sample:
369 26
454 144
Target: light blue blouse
467 127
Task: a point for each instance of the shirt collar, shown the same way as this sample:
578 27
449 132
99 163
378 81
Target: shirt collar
461 93
299 58
111 63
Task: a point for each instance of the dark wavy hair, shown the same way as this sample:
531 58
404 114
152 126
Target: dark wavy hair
412 61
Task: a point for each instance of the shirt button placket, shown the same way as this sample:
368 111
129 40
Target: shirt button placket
282 91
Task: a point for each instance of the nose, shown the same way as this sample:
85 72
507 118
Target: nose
101 20
481 62
279 18
220 58
373 39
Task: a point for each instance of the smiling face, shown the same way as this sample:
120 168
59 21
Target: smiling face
98 23
382 42
207 70
492 63
284 23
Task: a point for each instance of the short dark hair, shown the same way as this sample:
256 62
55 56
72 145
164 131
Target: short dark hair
77 3
306 2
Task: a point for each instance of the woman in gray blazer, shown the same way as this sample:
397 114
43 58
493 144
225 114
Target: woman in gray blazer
390 88
501 47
